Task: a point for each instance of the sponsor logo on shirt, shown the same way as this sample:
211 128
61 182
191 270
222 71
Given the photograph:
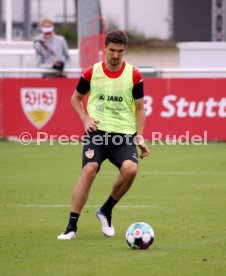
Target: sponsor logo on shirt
102 98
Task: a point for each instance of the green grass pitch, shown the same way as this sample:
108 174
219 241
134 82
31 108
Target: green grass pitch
180 191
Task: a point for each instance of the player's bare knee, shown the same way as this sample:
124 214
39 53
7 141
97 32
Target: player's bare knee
129 169
90 170
132 171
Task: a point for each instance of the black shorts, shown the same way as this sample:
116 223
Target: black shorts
116 147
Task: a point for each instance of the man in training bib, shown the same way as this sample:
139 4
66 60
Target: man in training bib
114 124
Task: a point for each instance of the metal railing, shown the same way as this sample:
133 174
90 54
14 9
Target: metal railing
146 71
38 70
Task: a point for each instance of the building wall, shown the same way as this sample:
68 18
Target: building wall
46 8
150 17
192 20
52 9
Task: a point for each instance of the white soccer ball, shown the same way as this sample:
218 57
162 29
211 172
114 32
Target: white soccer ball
140 235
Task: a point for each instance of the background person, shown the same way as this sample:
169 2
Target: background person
115 109
51 50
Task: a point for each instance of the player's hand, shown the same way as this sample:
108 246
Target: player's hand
143 147
144 150
90 124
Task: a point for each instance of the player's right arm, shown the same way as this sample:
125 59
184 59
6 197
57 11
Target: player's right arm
81 90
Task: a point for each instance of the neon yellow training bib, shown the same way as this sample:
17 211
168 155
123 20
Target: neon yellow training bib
111 100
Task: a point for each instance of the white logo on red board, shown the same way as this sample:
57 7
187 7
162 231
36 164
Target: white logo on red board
181 107
38 104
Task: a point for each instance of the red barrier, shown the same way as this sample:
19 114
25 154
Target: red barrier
39 105
180 105
173 106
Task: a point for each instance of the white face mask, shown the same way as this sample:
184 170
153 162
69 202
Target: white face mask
47 29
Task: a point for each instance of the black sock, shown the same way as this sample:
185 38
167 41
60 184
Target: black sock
108 205
72 224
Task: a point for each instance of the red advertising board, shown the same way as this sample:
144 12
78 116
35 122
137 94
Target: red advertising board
39 105
180 105
172 106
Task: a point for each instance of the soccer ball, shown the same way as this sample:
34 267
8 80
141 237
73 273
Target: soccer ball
140 235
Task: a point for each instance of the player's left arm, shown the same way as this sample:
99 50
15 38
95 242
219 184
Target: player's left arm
140 123
138 95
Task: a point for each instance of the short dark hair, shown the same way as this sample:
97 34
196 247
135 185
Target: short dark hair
117 37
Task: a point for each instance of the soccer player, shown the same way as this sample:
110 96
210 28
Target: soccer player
114 123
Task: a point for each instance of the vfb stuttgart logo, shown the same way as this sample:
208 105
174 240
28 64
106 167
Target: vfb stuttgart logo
38 104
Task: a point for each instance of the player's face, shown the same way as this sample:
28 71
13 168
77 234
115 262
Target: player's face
114 54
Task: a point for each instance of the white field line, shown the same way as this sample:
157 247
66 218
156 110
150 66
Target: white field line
68 206
170 173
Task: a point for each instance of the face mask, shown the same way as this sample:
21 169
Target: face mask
47 30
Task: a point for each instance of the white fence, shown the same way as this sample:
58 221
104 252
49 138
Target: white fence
17 59
26 58
204 72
